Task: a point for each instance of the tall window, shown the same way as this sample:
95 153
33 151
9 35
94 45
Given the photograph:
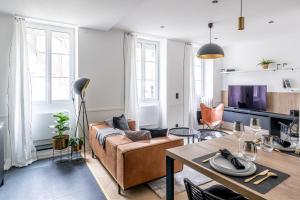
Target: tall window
51 62
203 77
147 70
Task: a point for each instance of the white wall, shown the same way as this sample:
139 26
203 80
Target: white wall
175 55
246 56
100 58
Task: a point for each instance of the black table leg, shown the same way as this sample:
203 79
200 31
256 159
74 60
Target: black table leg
188 139
170 178
193 139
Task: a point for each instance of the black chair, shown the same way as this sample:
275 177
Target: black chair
216 192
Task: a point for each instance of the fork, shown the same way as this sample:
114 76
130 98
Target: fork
270 174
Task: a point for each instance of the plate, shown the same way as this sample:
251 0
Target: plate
281 148
224 166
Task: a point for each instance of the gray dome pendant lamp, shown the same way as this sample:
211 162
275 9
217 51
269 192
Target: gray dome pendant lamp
210 50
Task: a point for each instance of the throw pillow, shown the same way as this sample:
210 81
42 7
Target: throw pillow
157 132
120 123
138 135
109 122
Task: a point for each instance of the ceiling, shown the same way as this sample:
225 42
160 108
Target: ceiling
183 19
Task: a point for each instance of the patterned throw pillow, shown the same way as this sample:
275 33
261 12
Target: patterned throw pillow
138 135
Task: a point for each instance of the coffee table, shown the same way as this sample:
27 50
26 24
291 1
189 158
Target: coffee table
184 132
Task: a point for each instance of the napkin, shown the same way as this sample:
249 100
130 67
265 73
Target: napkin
283 143
227 155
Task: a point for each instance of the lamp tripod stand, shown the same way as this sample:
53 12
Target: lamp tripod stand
85 123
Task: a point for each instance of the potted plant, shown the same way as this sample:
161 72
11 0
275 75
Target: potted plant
264 63
76 144
61 140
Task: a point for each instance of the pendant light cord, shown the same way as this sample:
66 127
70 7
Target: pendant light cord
210 35
241 8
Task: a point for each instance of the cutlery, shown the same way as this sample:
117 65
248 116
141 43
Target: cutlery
277 150
270 174
265 172
206 160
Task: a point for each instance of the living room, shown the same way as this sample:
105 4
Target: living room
127 99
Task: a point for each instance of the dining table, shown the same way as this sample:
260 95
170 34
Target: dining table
289 165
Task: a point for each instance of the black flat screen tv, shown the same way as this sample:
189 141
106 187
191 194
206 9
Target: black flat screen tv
251 97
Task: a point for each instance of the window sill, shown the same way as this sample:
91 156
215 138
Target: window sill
149 104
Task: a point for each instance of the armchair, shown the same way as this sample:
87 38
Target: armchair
212 117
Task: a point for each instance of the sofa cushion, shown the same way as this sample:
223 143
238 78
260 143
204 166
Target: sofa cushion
121 122
157 132
138 135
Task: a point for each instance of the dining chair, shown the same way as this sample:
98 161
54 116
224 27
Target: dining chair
216 192
212 117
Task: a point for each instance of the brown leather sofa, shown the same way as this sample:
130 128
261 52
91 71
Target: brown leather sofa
133 163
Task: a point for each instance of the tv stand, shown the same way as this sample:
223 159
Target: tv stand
268 120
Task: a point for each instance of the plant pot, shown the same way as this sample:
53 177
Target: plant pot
76 148
60 142
265 66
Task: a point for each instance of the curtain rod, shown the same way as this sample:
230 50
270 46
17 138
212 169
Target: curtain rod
43 21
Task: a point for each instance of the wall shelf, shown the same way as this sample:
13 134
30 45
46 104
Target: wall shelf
262 70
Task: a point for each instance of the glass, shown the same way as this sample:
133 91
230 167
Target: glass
60 65
150 89
256 128
150 51
36 40
238 131
60 88
38 88
267 143
60 43
150 71
249 150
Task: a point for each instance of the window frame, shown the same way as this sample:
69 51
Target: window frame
143 43
48 60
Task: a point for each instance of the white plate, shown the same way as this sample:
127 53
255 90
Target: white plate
281 148
224 166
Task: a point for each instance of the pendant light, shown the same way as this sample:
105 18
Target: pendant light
210 50
241 22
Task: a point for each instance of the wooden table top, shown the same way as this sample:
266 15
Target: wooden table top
289 189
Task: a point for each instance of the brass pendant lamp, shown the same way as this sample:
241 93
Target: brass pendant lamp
210 50
241 21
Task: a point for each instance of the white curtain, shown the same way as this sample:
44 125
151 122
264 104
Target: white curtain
19 147
190 105
131 98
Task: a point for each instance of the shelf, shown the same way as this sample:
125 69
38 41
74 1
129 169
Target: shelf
262 70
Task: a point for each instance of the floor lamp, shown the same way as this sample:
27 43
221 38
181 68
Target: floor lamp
79 88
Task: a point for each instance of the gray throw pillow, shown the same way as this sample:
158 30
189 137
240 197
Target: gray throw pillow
138 135
109 122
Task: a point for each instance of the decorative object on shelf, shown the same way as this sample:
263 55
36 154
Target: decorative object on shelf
284 64
79 88
61 140
210 50
264 63
286 83
76 144
241 21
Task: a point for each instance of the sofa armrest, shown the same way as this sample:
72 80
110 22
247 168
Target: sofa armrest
143 161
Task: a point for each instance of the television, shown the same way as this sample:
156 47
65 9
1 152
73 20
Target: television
251 97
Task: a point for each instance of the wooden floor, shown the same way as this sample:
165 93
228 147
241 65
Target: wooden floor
110 188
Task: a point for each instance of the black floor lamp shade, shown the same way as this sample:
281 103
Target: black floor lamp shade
80 86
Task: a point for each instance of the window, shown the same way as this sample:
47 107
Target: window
203 77
51 62
147 70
